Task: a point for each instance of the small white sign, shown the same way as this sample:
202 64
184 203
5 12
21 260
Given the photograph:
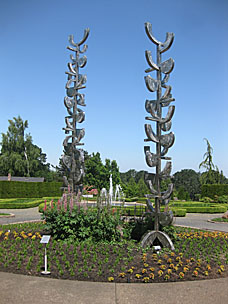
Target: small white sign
45 239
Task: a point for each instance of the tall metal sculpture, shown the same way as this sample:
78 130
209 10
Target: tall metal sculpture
163 141
73 158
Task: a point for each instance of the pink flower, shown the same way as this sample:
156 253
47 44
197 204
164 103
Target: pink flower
68 188
51 203
45 205
58 205
65 202
71 204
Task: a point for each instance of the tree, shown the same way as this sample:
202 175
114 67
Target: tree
212 174
142 188
189 180
98 174
19 156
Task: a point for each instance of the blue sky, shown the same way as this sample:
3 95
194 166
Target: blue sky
33 61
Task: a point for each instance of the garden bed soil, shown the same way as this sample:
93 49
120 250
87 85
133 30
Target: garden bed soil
197 256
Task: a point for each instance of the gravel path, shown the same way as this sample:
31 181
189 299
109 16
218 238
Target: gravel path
195 220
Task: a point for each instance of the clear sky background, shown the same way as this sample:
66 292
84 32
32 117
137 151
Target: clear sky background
33 61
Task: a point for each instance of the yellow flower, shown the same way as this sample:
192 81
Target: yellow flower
130 270
163 267
144 270
159 262
172 254
122 274
151 275
206 273
181 275
208 267
169 271
178 258
33 237
195 273
138 276
146 265
146 279
110 279
160 273
29 234
152 269
185 269
222 267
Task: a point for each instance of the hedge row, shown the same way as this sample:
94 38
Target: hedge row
216 209
189 204
19 205
214 189
25 189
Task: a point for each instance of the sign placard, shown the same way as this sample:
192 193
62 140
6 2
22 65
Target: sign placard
45 239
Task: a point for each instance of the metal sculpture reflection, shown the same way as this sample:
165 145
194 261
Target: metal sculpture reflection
163 141
73 158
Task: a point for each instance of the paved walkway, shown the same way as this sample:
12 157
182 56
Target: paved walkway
21 215
200 220
21 289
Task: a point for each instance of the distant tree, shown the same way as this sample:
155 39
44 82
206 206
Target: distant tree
19 156
126 176
209 177
182 194
189 180
98 174
142 188
131 188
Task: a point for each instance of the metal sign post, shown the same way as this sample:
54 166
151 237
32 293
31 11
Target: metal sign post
45 239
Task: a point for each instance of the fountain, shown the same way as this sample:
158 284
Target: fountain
110 190
119 195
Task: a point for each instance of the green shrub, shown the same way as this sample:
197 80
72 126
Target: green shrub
14 189
206 199
179 212
214 189
80 222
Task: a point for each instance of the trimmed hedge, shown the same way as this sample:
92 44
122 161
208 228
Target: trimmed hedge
216 209
214 189
187 204
16 204
15 189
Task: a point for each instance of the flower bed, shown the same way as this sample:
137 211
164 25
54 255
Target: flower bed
197 255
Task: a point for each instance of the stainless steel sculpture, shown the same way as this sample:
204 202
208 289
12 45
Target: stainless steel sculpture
73 158
163 141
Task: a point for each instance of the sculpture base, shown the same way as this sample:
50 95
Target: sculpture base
150 237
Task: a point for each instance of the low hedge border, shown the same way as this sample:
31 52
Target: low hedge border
5 204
